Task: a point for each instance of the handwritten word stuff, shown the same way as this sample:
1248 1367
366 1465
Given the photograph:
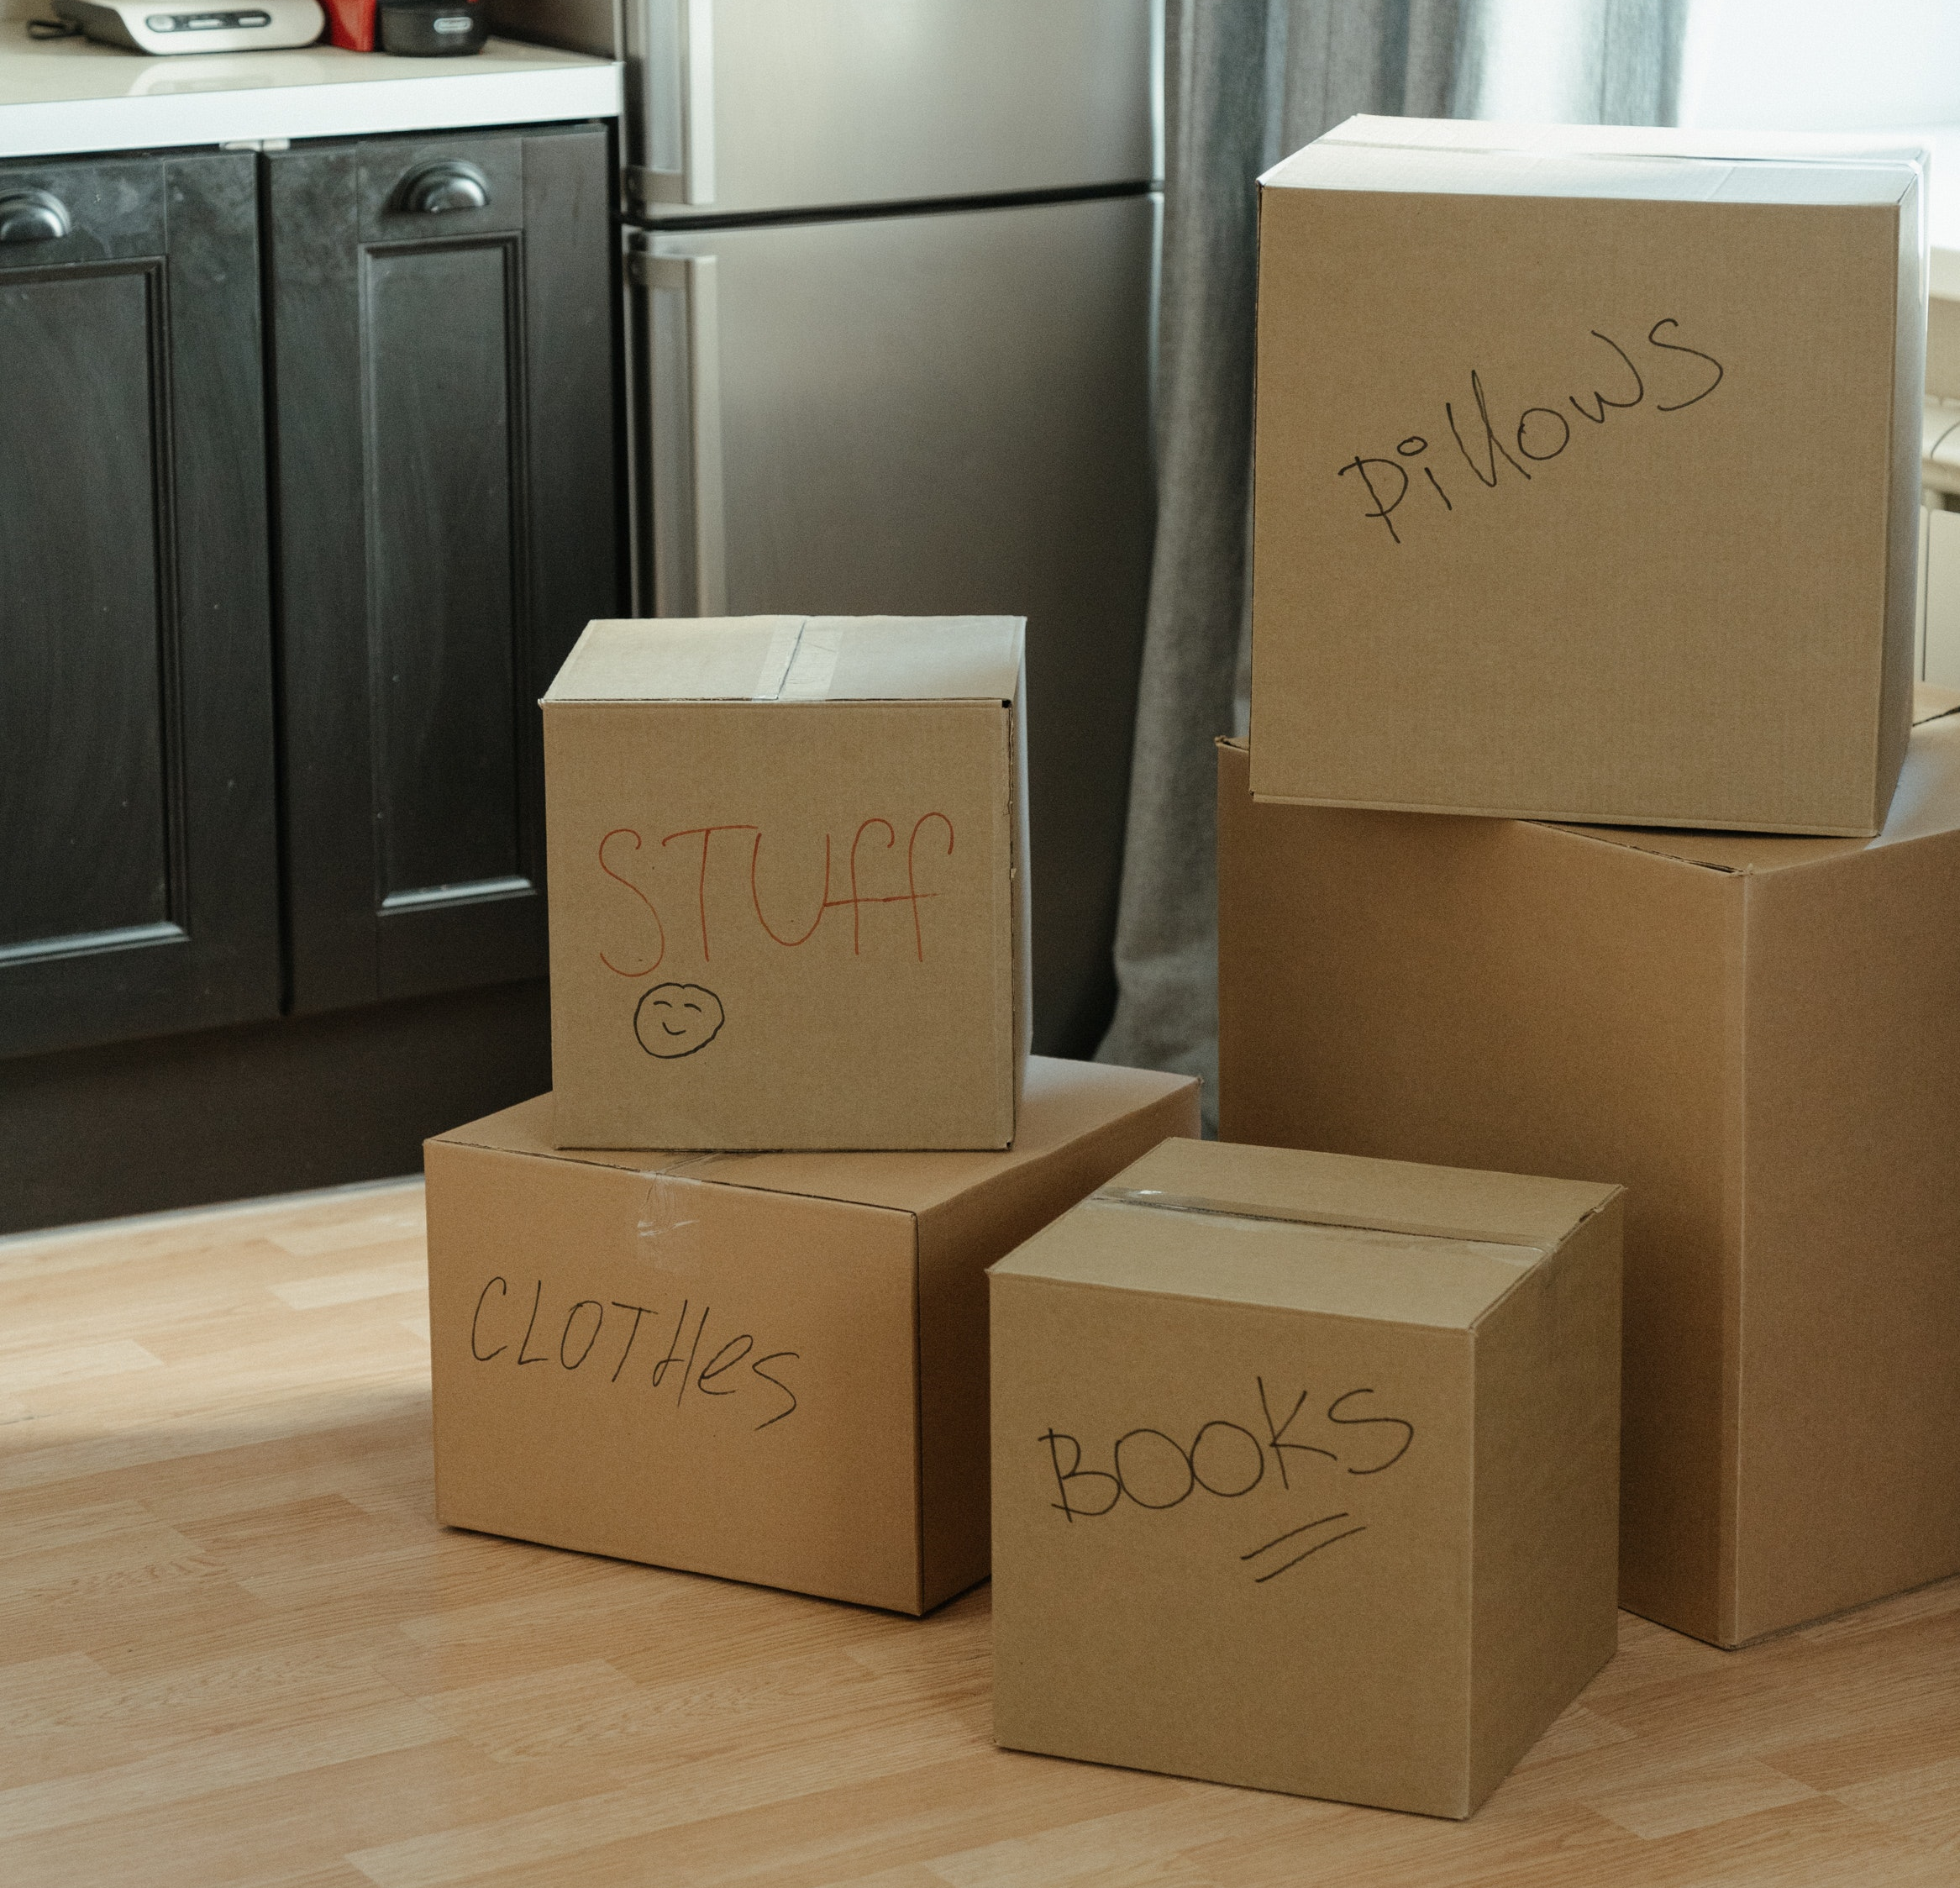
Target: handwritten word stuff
1493 449
1151 1469
698 873
608 1336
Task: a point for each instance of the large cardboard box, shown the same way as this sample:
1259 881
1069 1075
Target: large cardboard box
1587 474
1305 1472
771 1367
1760 1037
788 883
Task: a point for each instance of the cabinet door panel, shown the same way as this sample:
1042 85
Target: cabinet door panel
447 525
136 800
441 422
82 769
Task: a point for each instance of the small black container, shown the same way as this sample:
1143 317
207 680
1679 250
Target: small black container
432 28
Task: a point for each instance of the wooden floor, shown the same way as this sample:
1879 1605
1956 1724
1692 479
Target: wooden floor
235 1647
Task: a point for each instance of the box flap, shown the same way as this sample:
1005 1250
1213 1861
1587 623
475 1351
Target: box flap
1661 164
1325 1233
1927 801
1061 1101
794 659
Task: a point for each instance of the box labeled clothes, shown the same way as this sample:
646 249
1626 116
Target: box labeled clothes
772 1367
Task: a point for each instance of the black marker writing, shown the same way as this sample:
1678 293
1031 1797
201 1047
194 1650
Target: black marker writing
1277 1432
593 1337
485 1356
1653 335
1359 1422
1541 432
542 1356
1599 400
773 1357
1150 1469
1294 1534
638 1312
726 1369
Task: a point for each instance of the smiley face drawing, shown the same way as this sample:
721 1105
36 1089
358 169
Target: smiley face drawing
674 1019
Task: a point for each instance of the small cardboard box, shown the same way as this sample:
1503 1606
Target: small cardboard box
788 883
1305 1472
1760 1037
771 1367
1587 474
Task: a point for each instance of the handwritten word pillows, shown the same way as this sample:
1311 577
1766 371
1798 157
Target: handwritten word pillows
772 1367
788 883
1587 474
1305 1472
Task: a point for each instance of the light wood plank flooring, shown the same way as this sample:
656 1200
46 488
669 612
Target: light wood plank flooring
235 1647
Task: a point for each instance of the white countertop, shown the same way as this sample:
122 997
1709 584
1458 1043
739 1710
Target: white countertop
61 95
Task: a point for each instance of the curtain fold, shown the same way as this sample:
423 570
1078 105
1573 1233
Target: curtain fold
1245 82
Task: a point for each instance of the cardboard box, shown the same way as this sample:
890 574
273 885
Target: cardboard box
771 1367
1760 1037
1305 1472
1587 474
788 883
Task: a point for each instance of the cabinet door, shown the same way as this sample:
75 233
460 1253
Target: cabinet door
139 878
447 479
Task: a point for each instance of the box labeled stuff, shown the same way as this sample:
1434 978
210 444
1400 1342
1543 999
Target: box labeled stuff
788 883
770 1367
1759 1036
1587 474
1305 1472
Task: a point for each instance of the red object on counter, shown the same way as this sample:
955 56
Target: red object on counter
350 23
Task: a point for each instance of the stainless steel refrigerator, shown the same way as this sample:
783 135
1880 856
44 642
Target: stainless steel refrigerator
890 267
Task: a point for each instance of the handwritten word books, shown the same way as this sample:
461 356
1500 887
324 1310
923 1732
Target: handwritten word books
1587 474
769 1367
788 883
1305 1472
1760 1037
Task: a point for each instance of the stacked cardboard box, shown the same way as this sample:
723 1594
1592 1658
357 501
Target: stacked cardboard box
1584 523
1587 496
788 901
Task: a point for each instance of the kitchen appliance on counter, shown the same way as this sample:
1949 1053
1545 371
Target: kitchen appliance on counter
891 269
150 27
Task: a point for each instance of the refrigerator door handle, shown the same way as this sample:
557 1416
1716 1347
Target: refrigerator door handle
683 383
679 84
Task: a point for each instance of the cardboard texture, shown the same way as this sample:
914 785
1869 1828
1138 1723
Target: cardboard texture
1759 1036
1305 1472
1587 476
788 883
770 1367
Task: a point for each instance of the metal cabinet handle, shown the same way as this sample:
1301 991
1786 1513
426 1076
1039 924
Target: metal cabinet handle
453 184
33 215
684 396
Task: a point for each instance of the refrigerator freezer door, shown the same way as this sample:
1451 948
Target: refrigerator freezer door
740 107
937 414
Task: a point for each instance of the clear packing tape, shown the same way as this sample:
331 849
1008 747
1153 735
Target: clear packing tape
1208 1206
669 1238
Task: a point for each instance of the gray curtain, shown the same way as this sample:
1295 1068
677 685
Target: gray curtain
1245 82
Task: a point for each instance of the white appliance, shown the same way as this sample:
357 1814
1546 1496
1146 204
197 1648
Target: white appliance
890 270
157 26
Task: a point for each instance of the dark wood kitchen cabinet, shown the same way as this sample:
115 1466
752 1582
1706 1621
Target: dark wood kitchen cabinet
138 887
310 474
441 313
